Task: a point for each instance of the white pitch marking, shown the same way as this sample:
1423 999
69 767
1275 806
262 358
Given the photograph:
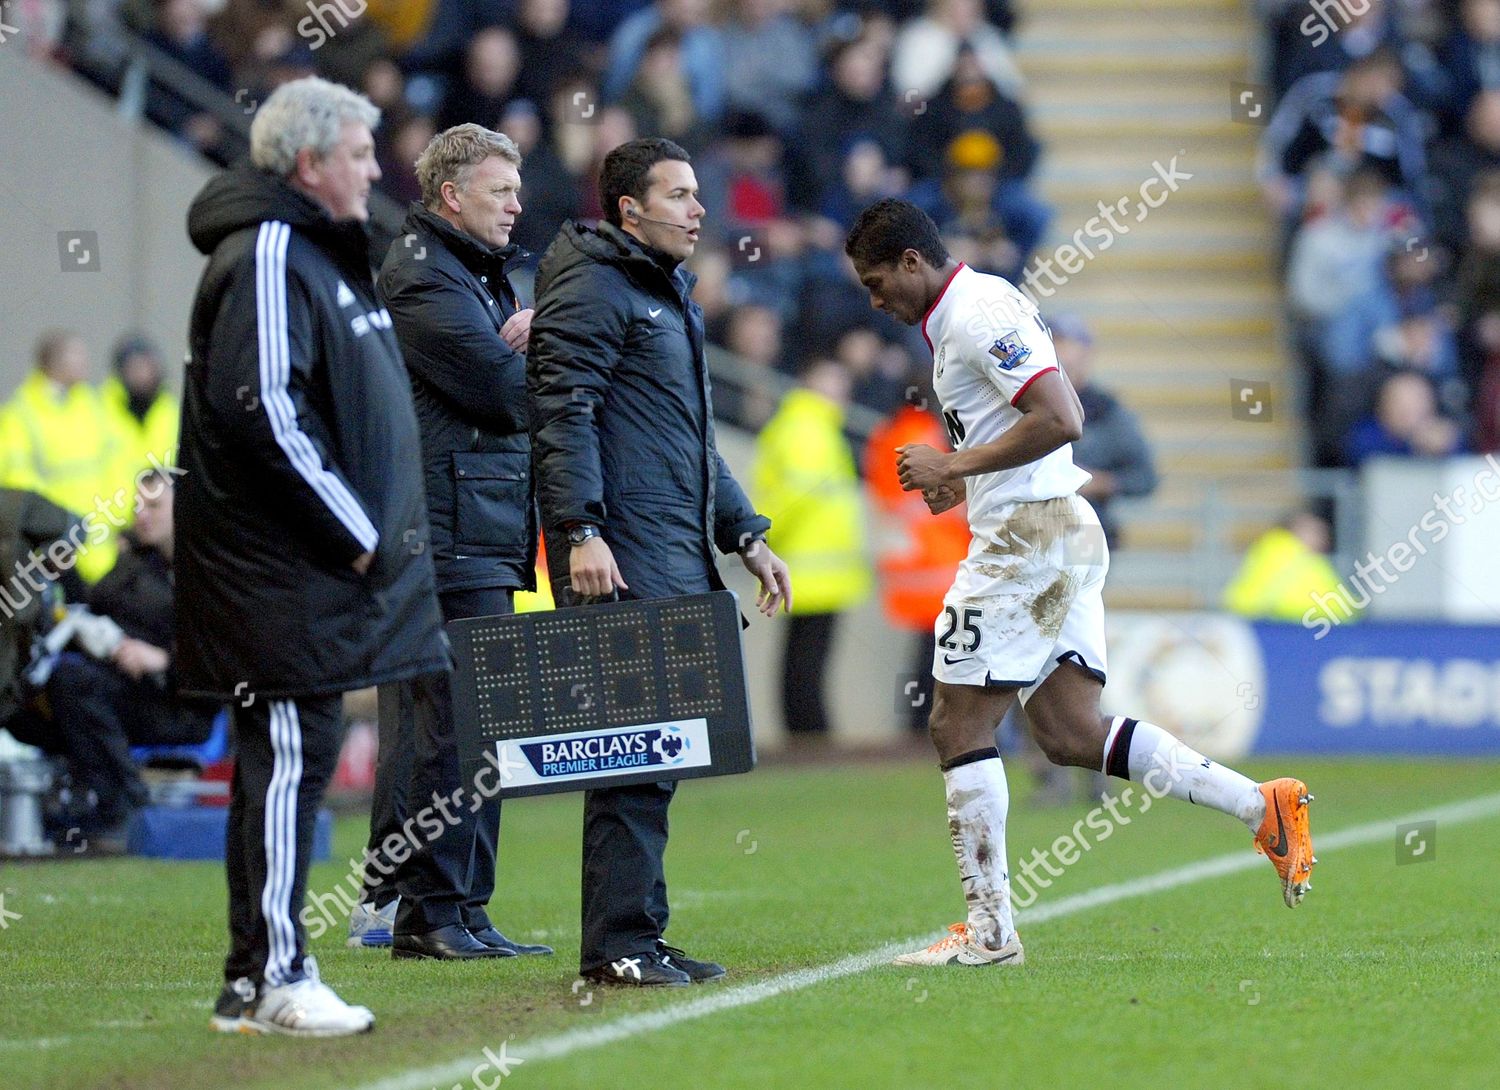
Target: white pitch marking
578 1040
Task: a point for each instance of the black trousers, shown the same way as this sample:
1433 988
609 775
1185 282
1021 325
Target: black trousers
450 879
624 905
287 751
98 714
624 877
804 667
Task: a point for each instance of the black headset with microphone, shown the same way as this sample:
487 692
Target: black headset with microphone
635 215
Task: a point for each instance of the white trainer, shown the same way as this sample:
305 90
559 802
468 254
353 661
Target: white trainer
962 947
306 1008
370 926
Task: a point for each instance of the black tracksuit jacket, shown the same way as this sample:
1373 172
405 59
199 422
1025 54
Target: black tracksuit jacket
299 452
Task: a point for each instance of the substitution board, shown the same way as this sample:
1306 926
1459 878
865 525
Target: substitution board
603 695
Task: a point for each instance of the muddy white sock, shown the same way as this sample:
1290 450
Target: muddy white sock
978 800
1144 753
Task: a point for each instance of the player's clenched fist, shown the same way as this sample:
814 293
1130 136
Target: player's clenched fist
943 498
921 467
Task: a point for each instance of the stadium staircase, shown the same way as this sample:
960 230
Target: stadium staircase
1188 300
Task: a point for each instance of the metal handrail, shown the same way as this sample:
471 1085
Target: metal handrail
146 63
1213 557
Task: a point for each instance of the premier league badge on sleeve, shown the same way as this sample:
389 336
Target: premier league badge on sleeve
1009 351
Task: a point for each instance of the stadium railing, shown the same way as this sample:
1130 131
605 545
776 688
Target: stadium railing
130 67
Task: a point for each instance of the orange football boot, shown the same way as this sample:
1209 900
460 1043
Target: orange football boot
1284 838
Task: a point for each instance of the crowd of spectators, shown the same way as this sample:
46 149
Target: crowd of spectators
1382 156
797 112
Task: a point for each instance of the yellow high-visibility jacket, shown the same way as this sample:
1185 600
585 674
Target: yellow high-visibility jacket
805 482
144 444
1279 578
62 445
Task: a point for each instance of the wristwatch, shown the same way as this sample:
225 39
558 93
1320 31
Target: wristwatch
580 533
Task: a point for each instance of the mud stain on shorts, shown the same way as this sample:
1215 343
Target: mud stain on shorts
1006 573
1050 608
1034 528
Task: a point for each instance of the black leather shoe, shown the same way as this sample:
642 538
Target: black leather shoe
698 971
496 941
644 970
451 943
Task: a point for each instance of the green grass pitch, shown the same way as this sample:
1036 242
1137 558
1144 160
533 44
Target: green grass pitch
1388 975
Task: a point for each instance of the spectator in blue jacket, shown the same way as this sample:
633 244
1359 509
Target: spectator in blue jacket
703 58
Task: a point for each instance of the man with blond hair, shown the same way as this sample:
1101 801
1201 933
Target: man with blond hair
462 332
302 566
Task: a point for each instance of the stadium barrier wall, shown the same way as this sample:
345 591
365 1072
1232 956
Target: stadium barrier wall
1431 528
1377 688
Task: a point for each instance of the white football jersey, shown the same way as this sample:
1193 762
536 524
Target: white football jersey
989 343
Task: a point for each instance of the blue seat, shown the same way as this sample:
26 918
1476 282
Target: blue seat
205 753
198 832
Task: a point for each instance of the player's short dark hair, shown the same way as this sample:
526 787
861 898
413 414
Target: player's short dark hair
625 170
891 226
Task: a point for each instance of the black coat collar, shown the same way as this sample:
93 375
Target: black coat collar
473 254
637 253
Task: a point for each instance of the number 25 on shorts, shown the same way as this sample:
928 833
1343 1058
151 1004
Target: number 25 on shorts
970 616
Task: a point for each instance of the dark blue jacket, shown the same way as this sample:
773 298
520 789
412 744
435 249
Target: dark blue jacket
448 295
622 420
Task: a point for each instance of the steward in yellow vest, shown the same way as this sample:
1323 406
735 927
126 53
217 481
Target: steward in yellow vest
143 412
57 440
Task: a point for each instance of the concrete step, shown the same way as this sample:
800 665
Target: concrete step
1186 491
1084 64
1200 227
1044 95
1182 435
1120 594
1115 22
1113 329
1223 462
1109 297
1068 159
1182 535
1085 11
1204 372
1111 134
1102 295
1160 265
1181 402
1078 191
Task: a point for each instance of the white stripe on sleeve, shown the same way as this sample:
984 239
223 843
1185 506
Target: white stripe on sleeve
275 373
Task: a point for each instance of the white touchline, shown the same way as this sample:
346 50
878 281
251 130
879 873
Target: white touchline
563 1044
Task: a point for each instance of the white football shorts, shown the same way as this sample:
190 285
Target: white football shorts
1029 595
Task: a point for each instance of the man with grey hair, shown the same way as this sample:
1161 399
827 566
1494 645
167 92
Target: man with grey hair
462 333
302 566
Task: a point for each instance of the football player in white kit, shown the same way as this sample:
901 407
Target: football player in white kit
1025 614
